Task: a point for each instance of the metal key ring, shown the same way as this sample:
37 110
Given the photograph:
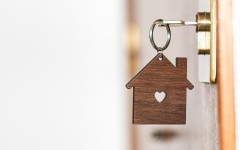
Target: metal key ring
160 23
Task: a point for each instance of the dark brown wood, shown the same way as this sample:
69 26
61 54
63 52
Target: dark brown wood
160 76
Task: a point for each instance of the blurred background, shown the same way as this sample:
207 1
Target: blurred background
63 69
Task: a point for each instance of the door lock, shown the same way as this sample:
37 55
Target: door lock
206 28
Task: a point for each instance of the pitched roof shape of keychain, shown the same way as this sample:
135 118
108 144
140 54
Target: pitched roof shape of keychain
160 88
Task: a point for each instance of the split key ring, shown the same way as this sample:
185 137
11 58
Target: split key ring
159 22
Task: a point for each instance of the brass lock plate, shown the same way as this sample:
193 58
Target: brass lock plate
213 51
206 29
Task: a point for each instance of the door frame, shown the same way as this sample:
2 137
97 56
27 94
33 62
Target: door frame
225 75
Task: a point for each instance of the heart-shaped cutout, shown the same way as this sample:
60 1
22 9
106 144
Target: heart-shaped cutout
160 96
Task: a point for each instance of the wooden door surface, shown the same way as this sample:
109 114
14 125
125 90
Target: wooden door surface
226 74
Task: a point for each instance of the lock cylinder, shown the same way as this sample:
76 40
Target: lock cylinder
203 22
203 29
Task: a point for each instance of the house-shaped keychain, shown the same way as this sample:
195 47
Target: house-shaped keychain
159 92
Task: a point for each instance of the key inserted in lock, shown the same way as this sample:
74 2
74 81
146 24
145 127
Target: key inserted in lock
206 43
202 22
203 25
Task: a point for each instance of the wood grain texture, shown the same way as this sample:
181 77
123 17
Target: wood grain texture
225 75
157 76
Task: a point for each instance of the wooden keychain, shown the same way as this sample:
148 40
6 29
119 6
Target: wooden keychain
159 89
